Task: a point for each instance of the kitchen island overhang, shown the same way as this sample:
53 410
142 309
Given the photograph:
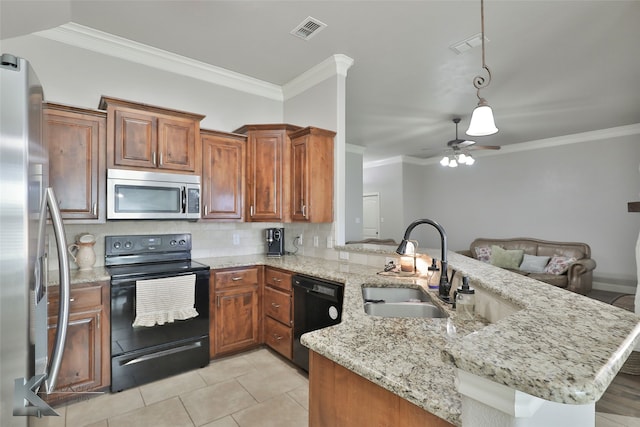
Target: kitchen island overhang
559 346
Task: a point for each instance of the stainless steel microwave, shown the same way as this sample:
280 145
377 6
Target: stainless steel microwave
152 195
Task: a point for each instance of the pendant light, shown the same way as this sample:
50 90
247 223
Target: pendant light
482 122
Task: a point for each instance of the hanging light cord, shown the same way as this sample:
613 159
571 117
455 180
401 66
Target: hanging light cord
480 82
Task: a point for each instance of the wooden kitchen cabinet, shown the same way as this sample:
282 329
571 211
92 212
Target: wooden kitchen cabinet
223 175
87 352
336 395
278 311
76 140
268 172
312 175
146 137
235 310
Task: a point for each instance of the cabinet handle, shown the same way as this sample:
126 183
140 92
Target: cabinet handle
206 210
275 279
277 337
274 305
98 325
218 301
153 155
235 279
251 211
94 209
304 211
160 159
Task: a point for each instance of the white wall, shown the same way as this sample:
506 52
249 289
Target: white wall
314 107
577 192
353 195
75 76
387 181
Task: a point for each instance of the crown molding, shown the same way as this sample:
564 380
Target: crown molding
335 65
352 148
108 44
603 135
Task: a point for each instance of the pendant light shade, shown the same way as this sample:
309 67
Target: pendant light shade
482 123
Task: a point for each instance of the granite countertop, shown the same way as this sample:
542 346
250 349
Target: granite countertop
559 346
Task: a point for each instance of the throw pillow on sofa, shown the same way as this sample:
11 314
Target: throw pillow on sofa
504 258
483 253
559 264
534 263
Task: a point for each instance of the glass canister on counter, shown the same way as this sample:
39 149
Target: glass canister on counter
465 300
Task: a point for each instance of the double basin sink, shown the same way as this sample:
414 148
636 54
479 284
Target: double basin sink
399 302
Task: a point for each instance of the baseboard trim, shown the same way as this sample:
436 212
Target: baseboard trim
613 287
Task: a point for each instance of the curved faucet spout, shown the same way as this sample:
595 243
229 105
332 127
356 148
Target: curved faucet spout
444 286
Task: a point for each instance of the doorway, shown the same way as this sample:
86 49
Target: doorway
371 215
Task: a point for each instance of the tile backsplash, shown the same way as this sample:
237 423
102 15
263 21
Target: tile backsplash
209 239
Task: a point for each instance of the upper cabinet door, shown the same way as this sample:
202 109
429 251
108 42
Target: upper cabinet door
76 141
141 136
223 172
312 175
300 180
176 144
135 137
266 157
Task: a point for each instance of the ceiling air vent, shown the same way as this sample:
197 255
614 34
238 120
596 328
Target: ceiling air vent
308 28
468 43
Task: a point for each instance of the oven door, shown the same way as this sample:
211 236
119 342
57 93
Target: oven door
143 354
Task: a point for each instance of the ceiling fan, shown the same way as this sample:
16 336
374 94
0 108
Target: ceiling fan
458 152
457 144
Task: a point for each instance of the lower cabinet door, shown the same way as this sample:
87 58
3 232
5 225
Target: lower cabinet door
81 361
278 337
237 319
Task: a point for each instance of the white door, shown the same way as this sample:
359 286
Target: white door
371 216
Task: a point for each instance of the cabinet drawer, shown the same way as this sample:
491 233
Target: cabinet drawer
236 277
278 279
278 337
277 304
81 299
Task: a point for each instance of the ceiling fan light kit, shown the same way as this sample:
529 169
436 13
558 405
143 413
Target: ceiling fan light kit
482 122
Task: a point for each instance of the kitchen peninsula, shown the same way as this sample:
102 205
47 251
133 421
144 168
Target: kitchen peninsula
548 346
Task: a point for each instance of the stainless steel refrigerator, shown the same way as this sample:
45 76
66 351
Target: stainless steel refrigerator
27 369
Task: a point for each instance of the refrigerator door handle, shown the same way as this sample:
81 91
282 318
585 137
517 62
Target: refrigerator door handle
63 310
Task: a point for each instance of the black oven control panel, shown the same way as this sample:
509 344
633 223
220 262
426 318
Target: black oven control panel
146 247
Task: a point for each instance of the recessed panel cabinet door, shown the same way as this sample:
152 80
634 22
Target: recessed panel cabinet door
76 142
80 369
223 171
176 144
265 175
237 319
135 139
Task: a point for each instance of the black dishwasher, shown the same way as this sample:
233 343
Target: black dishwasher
317 304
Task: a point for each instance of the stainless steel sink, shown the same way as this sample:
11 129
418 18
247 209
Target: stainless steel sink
399 302
404 309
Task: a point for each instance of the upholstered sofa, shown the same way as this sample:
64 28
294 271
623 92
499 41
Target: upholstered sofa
564 264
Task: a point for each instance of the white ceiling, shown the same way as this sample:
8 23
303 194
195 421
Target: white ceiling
559 67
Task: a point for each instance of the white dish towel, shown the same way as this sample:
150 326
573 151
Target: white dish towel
165 300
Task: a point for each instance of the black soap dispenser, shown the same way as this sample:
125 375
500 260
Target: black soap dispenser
465 300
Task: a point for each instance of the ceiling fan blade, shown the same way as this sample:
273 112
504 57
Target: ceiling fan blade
466 143
485 147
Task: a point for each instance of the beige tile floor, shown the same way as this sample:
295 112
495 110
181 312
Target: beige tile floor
253 389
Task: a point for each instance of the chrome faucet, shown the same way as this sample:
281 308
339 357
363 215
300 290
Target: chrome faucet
444 287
